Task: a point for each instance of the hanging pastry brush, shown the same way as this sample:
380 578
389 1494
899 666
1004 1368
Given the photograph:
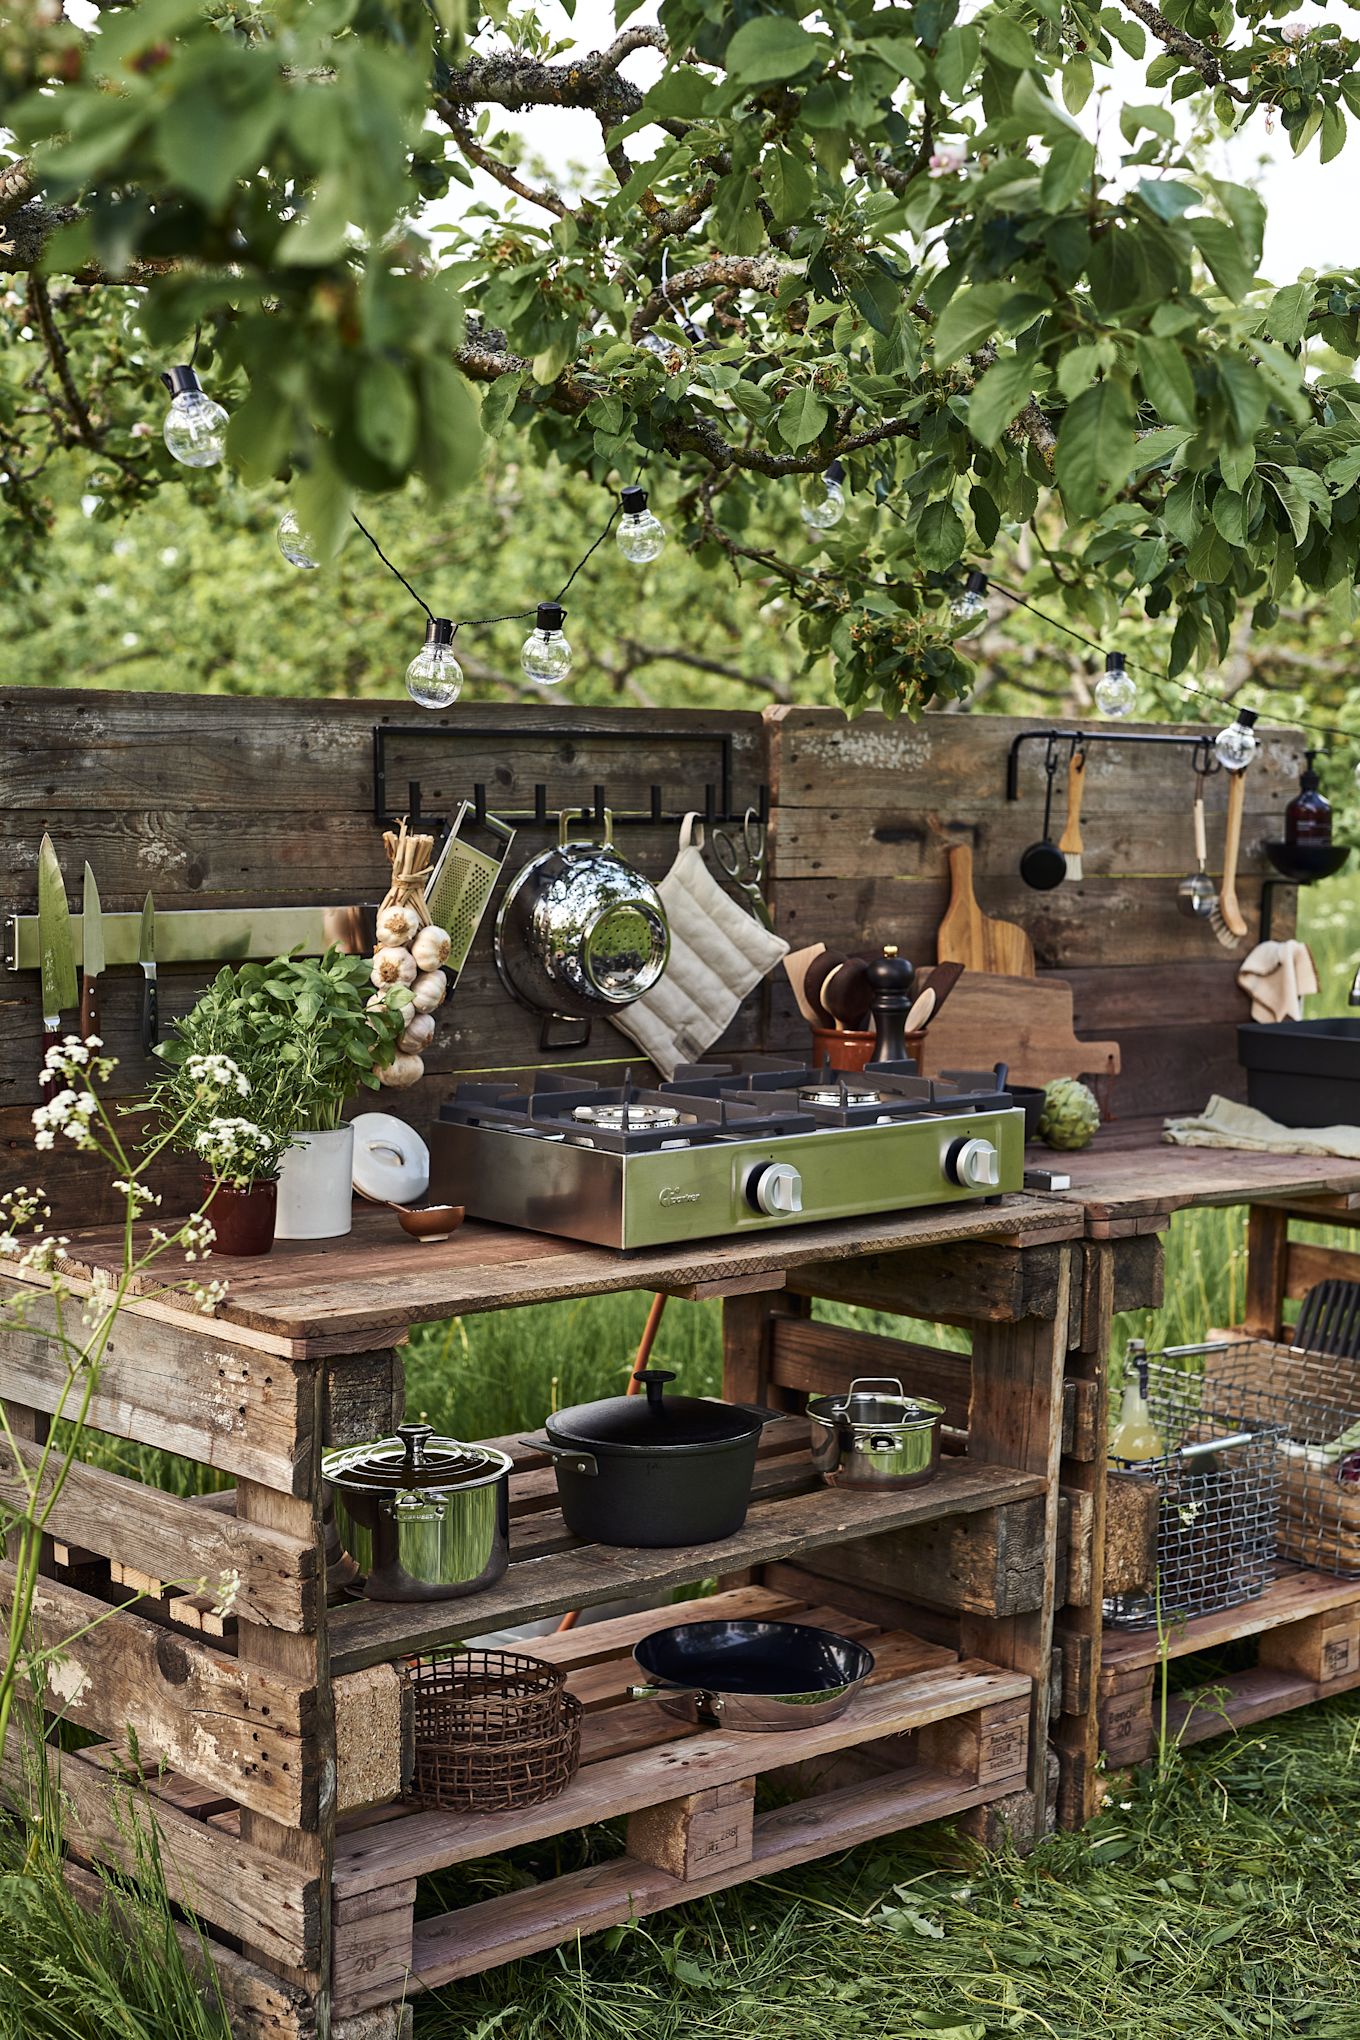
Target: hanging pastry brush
1070 840
1225 916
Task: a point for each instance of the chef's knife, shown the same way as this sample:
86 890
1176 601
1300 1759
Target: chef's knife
91 957
146 956
58 959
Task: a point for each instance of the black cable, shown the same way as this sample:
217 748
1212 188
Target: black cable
586 555
393 570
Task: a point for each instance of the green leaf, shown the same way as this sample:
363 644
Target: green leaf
969 318
1078 79
1066 173
939 535
771 48
789 185
1003 391
385 413
449 445
1008 43
1246 394
1167 198
322 232
801 418
1218 243
1333 133
257 433
498 403
737 225
956 59
1096 448
1166 379
1287 318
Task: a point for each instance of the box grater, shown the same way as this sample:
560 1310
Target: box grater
462 883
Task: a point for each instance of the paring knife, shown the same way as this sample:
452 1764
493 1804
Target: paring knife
92 957
146 956
56 943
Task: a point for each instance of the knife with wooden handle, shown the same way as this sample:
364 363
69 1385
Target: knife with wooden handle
56 945
91 956
146 956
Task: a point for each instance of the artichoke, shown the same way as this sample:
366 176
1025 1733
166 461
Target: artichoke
1069 1116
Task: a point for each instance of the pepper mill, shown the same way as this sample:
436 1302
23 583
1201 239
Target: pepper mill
890 980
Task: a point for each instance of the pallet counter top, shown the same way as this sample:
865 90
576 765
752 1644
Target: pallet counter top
322 1297
1130 1174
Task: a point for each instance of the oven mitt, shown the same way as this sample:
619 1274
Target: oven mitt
719 953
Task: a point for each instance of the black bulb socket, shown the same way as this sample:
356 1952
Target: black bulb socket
1114 662
1247 717
633 501
551 616
835 473
439 630
181 381
976 584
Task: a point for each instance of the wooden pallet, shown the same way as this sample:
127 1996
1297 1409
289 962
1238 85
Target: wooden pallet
1307 1626
931 1736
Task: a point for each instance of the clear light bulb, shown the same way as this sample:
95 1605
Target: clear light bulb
641 536
545 654
1236 744
1116 693
969 609
295 545
434 677
822 510
195 427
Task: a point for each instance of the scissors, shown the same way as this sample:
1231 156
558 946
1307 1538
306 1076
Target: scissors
743 860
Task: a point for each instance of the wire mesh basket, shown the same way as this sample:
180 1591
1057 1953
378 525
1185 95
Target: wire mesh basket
1218 1485
1315 1399
493 1730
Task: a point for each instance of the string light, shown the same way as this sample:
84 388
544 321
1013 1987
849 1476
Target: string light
545 654
1237 743
640 536
297 548
195 427
434 678
1115 691
824 512
969 608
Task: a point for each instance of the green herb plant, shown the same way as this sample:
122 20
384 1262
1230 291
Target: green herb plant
306 1032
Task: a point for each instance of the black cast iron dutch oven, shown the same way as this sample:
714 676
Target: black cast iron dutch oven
656 1469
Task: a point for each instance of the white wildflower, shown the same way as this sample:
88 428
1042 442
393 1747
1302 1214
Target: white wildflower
227 1592
216 1073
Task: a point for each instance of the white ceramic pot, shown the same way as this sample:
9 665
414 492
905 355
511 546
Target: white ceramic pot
316 1186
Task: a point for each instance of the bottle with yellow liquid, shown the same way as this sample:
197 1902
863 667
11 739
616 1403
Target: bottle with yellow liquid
1135 1435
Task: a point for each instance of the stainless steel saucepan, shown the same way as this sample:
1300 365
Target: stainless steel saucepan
421 1518
875 1435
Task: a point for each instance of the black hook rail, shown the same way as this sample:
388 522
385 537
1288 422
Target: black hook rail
716 806
1204 760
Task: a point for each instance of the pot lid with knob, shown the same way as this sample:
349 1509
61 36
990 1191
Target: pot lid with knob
414 1461
655 1421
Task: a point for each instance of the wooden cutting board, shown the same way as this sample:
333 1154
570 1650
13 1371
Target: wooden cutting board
968 936
1025 1022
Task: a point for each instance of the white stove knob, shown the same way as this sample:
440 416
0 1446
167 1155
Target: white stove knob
776 1189
973 1165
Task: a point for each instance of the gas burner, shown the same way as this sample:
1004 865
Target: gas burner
630 1118
842 1094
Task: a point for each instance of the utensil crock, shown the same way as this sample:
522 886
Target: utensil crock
316 1186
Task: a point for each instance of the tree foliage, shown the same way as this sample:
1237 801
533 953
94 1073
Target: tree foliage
877 234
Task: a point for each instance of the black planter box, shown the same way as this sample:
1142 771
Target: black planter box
1303 1072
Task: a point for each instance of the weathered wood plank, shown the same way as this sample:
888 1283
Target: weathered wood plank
179 1386
216 1876
241 1728
271 1577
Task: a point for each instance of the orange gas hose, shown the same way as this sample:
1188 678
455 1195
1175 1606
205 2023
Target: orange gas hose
640 1359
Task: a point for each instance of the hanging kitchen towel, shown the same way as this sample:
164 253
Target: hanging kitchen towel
1223 1124
1277 977
719 953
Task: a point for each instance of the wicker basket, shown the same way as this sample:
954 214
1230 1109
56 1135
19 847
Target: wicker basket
493 1731
1315 1399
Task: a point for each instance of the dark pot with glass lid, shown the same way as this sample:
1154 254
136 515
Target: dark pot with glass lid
654 1470
422 1518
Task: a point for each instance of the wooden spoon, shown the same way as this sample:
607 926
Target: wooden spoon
846 994
819 970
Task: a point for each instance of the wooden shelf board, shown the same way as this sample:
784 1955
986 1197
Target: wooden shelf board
368 1289
516 1924
550 1572
636 1755
1255 1695
1291 1596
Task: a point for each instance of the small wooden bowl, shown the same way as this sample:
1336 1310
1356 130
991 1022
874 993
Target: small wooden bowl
430 1223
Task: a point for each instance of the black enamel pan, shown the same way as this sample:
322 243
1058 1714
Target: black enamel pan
751 1675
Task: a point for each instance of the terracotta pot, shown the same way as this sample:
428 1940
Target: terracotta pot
244 1219
848 1048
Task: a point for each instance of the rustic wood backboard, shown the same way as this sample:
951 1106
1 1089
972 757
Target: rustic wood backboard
218 801
857 862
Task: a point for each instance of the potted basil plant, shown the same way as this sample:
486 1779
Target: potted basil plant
311 1035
